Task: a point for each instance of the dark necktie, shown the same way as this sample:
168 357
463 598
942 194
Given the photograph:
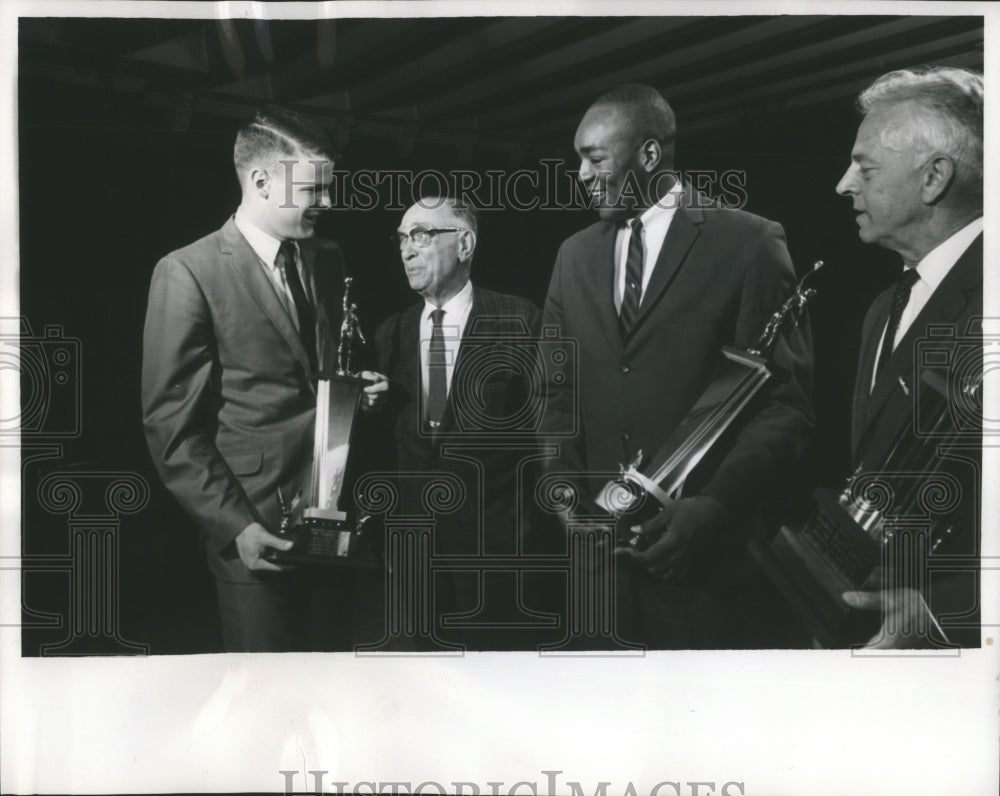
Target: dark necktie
899 301
633 278
286 261
437 380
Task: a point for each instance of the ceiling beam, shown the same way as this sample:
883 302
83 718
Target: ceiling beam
713 82
628 35
849 73
579 93
339 50
187 51
449 58
848 88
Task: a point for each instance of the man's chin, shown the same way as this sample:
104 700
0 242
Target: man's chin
867 235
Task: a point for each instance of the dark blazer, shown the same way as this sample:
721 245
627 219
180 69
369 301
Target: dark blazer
720 274
228 403
484 446
881 415
492 402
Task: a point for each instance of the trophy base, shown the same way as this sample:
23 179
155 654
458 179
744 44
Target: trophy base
814 565
325 542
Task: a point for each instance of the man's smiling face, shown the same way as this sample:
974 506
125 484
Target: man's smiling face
299 191
609 161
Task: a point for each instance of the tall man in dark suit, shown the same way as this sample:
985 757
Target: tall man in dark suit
461 402
237 324
650 293
916 182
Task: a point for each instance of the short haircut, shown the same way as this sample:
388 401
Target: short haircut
949 113
649 114
465 212
277 133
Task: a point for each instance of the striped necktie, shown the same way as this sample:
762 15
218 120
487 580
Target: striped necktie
633 278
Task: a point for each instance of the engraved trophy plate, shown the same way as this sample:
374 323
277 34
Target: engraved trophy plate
323 522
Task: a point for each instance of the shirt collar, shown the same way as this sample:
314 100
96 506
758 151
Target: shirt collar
264 245
664 206
939 261
454 307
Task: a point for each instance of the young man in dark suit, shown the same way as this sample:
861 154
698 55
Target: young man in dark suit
461 408
916 182
237 325
650 293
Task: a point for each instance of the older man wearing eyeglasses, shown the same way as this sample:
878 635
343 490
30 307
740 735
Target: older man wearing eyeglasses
462 404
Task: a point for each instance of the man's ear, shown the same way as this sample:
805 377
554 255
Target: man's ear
938 175
650 154
260 182
466 245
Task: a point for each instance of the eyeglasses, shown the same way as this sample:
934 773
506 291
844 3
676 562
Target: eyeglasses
423 237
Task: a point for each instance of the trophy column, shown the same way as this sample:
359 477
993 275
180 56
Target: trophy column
322 522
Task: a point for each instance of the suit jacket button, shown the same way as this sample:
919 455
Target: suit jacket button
626 368
626 436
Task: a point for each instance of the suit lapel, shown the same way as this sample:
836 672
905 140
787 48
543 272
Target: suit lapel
600 272
866 364
681 235
409 360
247 267
946 305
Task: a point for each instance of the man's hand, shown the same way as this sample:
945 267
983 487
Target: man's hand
908 623
683 535
253 541
375 394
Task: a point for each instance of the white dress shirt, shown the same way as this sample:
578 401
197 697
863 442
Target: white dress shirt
931 271
266 248
655 223
456 316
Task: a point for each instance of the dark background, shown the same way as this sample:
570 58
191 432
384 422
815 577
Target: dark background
125 143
